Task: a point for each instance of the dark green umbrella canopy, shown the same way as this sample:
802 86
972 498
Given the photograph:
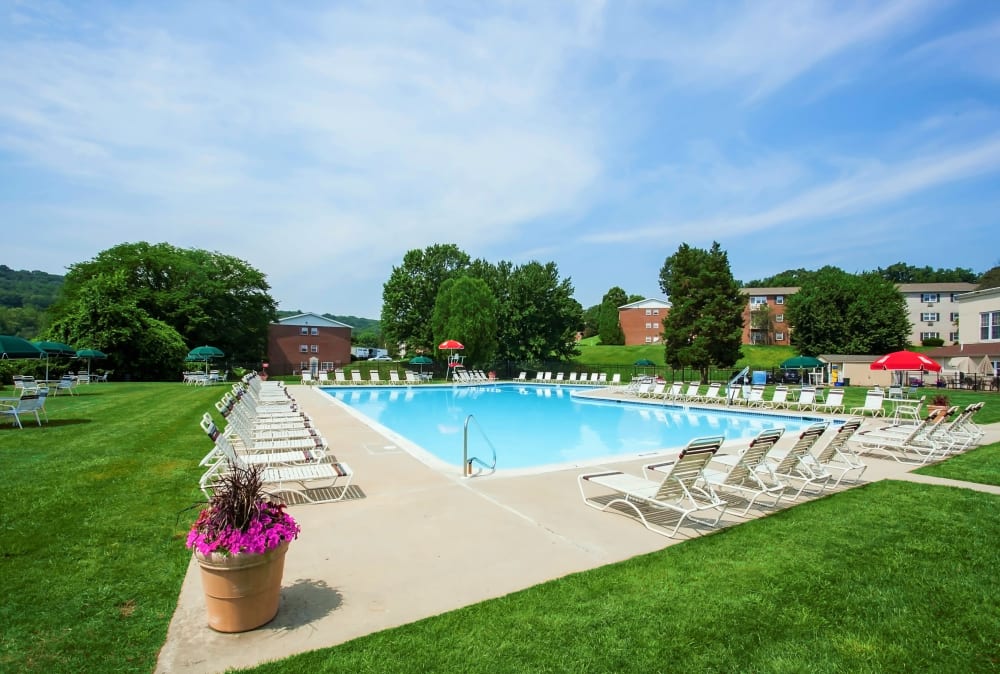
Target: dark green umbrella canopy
56 348
420 360
90 353
645 362
17 347
204 353
801 362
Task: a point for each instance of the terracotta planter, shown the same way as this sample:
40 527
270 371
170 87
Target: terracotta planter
242 591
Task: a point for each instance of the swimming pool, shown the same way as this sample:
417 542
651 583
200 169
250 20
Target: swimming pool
542 426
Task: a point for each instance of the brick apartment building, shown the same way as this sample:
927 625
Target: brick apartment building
641 321
764 315
307 342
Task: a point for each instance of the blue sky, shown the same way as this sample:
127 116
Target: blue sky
321 141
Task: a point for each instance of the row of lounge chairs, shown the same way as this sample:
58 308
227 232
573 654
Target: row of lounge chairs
748 396
701 485
340 377
942 434
265 427
595 378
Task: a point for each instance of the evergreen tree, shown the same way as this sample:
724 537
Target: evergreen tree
704 327
610 329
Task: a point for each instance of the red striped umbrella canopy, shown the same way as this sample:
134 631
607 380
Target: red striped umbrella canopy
906 360
449 344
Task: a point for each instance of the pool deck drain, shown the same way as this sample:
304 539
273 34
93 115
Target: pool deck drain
413 542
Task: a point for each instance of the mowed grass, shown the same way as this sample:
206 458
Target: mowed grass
980 465
93 523
888 577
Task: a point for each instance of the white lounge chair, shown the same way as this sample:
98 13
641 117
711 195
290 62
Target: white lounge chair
522 376
681 492
833 404
779 398
313 482
836 457
806 399
873 404
616 379
307 377
323 378
739 473
356 377
394 377
794 466
906 443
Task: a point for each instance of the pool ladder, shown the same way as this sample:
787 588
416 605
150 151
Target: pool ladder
729 389
466 461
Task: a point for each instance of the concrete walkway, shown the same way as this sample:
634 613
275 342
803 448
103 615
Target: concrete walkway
412 542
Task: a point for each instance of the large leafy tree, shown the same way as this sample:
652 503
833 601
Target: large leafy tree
837 312
409 295
104 314
704 327
610 329
205 297
465 309
537 317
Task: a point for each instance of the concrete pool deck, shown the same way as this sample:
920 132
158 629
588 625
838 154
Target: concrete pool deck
412 542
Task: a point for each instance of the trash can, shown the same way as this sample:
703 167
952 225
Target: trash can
847 381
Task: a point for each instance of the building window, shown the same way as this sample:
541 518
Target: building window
313 331
779 299
655 340
656 312
930 316
314 348
649 326
757 300
303 348
779 336
954 296
929 335
303 331
929 297
952 336
649 340
649 312
656 326
989 326
954 317
779 318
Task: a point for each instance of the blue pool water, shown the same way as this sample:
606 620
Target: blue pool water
533 426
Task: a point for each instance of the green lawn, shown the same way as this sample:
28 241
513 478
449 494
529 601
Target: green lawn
980 465
889 577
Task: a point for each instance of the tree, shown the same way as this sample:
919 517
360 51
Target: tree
790 278
465 309
761 325
991 279
205 297
409 294
704 327
901 272
610 329
837 312
592 320
105 315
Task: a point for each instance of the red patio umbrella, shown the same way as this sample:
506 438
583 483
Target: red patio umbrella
906 360
450 344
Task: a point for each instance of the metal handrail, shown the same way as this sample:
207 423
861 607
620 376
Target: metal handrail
729 387
466 461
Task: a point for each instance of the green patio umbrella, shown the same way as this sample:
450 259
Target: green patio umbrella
421 361
54 349
204 354
90 354
645 362
18 347
801 363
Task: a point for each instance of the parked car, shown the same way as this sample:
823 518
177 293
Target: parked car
381 358
791 377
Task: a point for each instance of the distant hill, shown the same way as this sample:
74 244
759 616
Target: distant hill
21 288
357 323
